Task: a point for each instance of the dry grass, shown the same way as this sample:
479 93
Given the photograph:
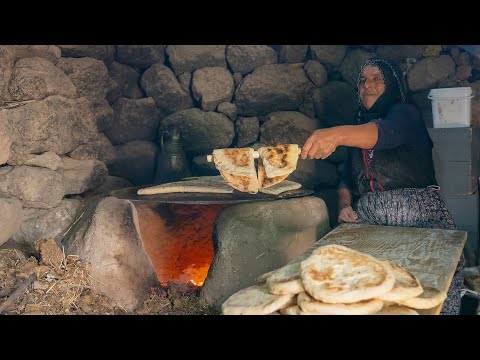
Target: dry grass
66 289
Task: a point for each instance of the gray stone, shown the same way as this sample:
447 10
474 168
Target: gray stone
141 56
329 55
160 83
48 160
430 72
398 53
46 224
82 175
307 106
247 130
246 58
134 119
37 78
202 131
185 81
5 144
228 109
7 60
54 124
35 187
90 76
287 127
127 81
212 86
49 52
100 149
10 217
105 53
103 113
291 53
316 73
335 103
271 88
463 72
188 58
237 79
252 239
109 239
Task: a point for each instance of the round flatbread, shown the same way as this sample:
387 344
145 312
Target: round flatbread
365 307
254 300
279 160
237 167
396 310
406 284
337 274
428 299
263 180
285 280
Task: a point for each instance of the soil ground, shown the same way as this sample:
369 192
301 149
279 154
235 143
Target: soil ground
62 286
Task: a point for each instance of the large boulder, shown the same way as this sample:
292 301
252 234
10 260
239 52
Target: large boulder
188 58
37 78
271 88
202 131
109 239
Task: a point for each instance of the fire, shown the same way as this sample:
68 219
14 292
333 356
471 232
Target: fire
178 240
200 283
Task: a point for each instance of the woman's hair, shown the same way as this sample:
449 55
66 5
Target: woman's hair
394 87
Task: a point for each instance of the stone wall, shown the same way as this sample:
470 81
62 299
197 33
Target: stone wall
76 120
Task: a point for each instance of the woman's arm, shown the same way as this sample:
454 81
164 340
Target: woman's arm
323 142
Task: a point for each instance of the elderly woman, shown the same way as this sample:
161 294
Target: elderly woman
388 177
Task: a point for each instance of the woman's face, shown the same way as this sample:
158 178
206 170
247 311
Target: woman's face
371 85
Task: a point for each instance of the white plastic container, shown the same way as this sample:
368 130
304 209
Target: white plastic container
451 107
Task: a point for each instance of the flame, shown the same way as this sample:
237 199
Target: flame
178 240
200 283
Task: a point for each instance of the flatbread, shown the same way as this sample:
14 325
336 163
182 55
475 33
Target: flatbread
263 278
396 310
237 167
263 180
241 183
254 300
279 160
428 299
189 186
291 310
365 307
285 280
406 285
337 274
285 185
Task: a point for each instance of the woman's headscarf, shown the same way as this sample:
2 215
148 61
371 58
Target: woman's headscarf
394 91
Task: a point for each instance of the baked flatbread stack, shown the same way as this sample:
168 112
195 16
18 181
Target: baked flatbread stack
336 280
237 167
275 163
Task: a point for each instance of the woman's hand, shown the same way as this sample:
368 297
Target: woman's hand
347 215
320 145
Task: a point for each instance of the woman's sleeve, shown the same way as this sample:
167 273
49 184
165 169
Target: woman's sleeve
402 125
344 169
